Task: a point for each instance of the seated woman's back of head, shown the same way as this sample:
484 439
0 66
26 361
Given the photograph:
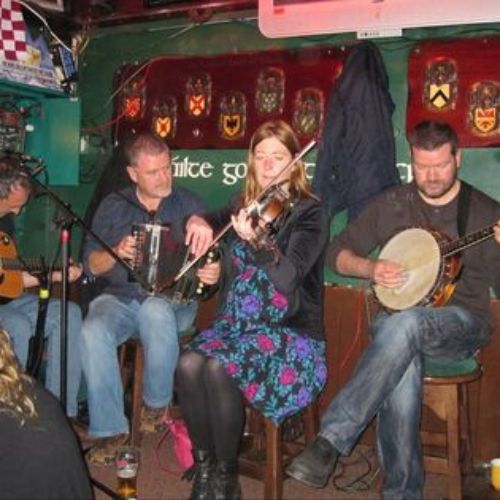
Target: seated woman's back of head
41 457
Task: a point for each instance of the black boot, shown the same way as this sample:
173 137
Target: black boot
226 484
315 464
202 473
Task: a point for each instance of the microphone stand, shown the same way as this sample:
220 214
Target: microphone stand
65 238
37 340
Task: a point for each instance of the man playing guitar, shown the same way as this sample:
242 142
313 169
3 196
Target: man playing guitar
387 382
19 315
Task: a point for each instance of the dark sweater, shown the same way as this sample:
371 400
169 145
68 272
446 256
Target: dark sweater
114 219
41 459
402 207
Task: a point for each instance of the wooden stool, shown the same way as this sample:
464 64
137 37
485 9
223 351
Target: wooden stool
445 394
269 453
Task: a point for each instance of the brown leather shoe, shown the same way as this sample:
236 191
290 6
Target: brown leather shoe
81 431
152 419
104 450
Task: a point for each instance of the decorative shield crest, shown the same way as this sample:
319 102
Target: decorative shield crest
133 100
270 91
232 115
164 117
440 89
308 111
484 103
198 95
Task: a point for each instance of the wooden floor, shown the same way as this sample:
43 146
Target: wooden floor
358 479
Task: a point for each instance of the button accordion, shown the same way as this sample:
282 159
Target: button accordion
159 257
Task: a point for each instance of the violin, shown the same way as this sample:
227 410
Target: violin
256 205
268 215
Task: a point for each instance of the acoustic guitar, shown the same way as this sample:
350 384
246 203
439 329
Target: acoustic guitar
432 261
11 267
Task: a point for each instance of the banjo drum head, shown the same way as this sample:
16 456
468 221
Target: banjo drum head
418 252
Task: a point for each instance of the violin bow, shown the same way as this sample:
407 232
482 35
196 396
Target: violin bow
251 205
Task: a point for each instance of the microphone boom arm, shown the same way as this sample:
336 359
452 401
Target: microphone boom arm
71 217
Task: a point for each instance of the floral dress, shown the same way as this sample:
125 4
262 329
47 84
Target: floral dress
278 370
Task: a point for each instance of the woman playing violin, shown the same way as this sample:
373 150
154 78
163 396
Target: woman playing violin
266 345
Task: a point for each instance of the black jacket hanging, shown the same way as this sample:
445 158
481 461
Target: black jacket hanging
356 155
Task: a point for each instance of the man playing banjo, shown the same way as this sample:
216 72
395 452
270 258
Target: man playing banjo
388 379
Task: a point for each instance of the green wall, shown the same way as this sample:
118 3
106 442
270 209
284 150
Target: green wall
109 48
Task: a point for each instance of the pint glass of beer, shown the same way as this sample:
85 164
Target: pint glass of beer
127 465
495 473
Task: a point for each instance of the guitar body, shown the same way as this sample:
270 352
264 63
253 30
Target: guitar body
431 276
11 282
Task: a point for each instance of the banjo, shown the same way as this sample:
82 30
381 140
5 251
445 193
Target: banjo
432 261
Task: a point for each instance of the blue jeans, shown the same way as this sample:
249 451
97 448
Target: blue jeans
387 383
109 323
19 316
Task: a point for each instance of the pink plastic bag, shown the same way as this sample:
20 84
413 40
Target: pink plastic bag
182 442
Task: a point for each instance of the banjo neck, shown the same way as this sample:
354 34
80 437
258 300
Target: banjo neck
469 240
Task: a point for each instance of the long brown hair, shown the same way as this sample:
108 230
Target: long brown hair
13 398
299 185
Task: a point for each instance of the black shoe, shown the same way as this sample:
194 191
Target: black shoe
315 464
226 483
203 471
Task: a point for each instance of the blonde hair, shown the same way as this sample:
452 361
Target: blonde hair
13 399
299 185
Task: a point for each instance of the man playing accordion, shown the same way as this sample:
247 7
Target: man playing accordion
126 308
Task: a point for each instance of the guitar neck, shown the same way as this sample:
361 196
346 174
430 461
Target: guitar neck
467 241
14 264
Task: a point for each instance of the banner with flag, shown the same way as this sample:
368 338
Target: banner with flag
23 59
12 31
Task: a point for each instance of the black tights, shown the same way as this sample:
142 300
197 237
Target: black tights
211 405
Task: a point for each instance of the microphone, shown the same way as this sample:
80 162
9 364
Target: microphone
23 160
28 159
21 157
32 172
10 153
35 170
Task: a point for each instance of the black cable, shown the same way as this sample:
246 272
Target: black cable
361 482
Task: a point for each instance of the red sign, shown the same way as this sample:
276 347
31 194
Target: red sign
218 101
458 82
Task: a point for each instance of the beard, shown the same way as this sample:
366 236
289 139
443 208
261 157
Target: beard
436 189
160 190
